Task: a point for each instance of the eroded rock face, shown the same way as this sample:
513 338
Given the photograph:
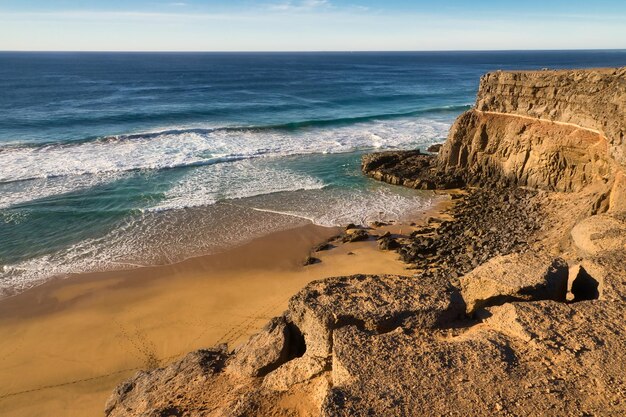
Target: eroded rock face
485 148
376 304
593 99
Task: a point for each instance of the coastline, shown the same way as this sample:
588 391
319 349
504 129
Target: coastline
72 340
522 287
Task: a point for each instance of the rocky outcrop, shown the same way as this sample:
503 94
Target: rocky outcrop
554 130
411 169
516 303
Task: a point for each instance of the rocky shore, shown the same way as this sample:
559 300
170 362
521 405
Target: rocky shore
518 295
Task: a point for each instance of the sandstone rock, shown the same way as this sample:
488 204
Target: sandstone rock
295 372
514 277
592 99
263 352
534 358
617 196
373 303
166 390
485 148
599 233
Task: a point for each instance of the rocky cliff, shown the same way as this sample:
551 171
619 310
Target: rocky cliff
516 304
557 130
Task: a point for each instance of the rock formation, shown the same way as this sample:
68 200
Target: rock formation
517 304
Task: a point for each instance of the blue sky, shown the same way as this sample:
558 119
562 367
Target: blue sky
311 25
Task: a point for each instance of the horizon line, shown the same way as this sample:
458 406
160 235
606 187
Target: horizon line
310 51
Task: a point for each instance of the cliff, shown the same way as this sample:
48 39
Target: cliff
557 130
516 303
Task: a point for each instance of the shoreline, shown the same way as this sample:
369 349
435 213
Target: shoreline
522 287
100 328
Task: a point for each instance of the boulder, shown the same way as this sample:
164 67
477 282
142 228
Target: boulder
600 233
514 277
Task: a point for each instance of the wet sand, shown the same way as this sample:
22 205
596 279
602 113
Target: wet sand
66 344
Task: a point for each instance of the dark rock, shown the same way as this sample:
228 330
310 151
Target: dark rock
409 168
435 148
388 243
379 224
356 236
422 231
311 260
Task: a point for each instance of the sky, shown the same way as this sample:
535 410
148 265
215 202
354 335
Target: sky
310 25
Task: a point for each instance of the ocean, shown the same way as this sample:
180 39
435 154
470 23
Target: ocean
119 160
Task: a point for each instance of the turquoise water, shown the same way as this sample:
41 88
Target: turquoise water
119 160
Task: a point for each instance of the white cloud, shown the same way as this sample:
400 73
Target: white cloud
302 5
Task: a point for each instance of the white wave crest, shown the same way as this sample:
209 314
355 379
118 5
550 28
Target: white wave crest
188 148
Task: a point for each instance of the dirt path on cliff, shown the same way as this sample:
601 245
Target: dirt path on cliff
519 116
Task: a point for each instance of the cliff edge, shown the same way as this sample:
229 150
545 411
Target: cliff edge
516 303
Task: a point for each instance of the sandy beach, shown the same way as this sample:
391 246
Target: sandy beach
66 344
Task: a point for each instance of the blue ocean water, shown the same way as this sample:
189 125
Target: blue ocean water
114 160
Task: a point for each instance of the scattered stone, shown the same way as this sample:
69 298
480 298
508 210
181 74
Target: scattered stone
388 243
350 226
422 231
482 227
357 236
311 260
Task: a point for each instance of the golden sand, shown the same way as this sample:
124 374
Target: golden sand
66 344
